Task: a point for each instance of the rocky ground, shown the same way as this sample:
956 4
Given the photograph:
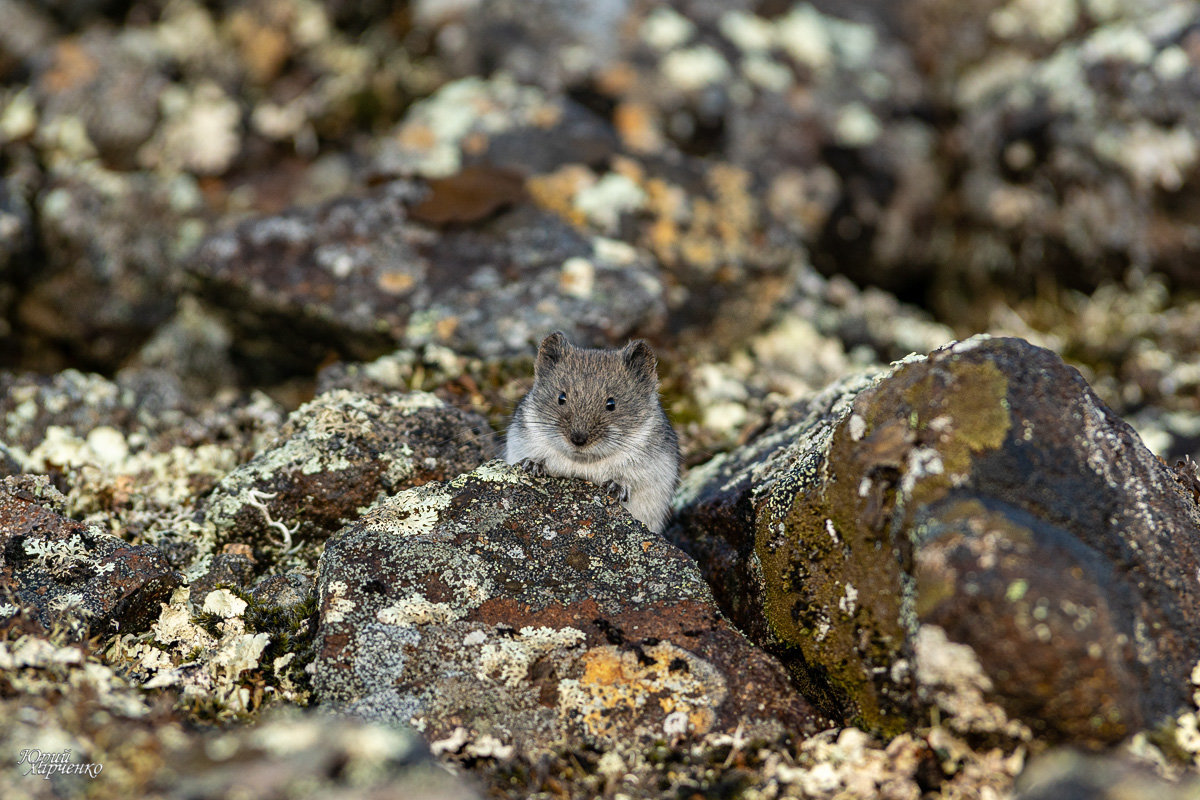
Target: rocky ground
920 279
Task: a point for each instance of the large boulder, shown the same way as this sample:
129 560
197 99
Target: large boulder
973 530
511 616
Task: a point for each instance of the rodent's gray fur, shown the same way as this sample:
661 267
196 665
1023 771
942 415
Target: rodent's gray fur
632 450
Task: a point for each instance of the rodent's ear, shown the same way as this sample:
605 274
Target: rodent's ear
552 348
640 360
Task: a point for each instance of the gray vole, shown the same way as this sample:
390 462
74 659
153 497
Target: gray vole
595 414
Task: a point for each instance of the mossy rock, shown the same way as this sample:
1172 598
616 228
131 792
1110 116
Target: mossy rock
987 493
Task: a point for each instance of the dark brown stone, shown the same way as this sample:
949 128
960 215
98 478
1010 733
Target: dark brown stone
68 571
984 491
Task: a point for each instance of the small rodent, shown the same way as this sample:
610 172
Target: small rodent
595 414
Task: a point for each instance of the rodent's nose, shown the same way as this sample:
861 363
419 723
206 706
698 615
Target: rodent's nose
578 438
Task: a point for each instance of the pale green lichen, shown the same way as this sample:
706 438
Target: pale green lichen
508 660
417 610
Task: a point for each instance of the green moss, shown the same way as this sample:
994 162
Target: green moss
292 630
835 539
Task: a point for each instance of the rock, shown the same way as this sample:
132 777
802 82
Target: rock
335 456
1066 169
826 114
67 703
8 462
1071 775
111 243
304 754
25 34
193 346
973 530
232 568
544 42
109 82
285 592
361 277
512 617
497 123
16 233
135 454
79 402
65 570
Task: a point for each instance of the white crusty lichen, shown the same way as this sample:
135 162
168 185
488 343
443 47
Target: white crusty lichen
224 603
58 556
695 68
206 666
429 141
412 513
508 660
335 604
604 201
201 131
417 610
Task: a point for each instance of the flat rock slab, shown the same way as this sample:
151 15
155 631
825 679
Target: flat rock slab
974 529
534 615
61 569
361 275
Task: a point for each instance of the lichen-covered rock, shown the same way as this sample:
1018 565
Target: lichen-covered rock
111 83
295 754
69 401
65 571
134 454
112 241
510 616
335 456
973 530
76 725
822 115
362 276
495 122
1076 137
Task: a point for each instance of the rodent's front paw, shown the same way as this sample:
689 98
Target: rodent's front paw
617 490
537 468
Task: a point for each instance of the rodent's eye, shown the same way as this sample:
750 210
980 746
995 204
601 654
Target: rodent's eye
562 398
610 404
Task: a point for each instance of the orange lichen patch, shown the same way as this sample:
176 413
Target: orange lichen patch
417 136
262 46
547 116
395 282
667 204
628 168
637 125
623 691
736 206
616 79
445 327
555 191
72 66
475 143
